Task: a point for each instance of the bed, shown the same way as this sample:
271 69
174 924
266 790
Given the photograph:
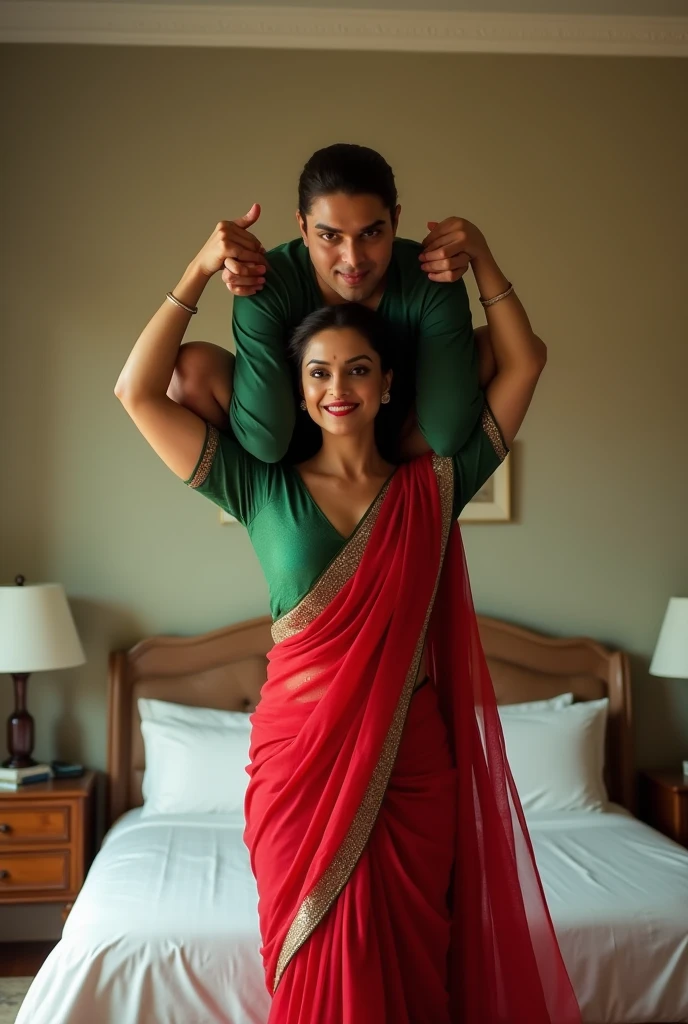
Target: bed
166 928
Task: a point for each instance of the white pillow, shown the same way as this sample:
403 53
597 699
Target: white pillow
196 759
562 700
165 711
557 757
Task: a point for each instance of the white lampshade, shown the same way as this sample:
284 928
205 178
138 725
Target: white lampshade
37 631
671 653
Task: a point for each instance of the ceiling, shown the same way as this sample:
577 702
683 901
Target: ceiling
655 28
642 8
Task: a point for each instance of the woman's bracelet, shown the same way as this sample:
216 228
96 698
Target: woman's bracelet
497 298
182 305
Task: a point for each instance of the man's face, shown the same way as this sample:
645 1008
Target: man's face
349 239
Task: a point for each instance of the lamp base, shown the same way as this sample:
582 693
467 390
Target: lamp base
19 762
19 727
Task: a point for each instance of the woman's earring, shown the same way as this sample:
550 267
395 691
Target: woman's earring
386 398
303 405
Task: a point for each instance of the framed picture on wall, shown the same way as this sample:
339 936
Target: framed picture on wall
492 503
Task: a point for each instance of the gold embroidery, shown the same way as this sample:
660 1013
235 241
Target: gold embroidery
492 430
328 887
210 447
332 580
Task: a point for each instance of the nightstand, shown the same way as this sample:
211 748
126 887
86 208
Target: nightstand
664 803
46 841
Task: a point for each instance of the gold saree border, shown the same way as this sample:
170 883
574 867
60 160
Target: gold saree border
212 439
328 585
489 425
326 890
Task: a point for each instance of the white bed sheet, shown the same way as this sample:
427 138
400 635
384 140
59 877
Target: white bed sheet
618 894
165 930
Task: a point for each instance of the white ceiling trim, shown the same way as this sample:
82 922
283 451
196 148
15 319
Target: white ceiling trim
135 24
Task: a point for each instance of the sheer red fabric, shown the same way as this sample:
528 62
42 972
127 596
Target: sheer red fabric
395 875
505 963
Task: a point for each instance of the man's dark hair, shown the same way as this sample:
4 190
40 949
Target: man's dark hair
353 170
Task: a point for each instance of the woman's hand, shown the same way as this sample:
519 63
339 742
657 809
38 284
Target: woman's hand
234 250
450 248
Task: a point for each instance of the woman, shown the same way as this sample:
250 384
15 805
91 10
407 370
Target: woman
396 878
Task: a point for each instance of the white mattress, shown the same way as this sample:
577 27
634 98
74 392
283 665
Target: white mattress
166 926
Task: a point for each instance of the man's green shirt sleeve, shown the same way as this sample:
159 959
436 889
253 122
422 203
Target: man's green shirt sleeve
449 401
262 412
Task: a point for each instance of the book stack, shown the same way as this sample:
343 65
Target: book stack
16 778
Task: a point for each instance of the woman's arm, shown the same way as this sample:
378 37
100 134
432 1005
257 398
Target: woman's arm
519 355
174 432
487 366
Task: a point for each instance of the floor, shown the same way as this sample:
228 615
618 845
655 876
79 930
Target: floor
12 992
19 962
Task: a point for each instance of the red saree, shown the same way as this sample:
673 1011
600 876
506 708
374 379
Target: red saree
395 874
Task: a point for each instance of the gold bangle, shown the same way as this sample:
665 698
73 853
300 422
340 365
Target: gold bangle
497 298
182 305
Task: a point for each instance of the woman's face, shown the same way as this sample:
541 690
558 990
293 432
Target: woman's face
342 380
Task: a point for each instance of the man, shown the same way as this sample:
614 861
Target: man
347 252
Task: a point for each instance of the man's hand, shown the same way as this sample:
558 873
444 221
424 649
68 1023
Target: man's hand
450 248
232 248
244 268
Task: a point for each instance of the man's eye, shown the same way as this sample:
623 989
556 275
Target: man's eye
327 236
372 233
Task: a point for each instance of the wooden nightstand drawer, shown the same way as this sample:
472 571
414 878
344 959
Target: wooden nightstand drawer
34 824
46 840
26 872
664 803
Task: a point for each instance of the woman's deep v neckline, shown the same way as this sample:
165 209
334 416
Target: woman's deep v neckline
344 538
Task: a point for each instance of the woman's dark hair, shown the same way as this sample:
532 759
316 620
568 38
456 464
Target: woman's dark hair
342 315
353 170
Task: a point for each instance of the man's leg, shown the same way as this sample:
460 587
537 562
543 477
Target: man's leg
202 381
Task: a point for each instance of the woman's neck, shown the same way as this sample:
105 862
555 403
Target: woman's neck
350 457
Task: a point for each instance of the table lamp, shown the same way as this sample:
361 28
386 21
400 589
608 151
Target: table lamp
671 653
37 634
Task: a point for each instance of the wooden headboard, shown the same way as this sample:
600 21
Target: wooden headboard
226 669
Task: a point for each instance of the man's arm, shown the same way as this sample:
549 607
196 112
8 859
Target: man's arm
262 411
413 443
451 247
448 396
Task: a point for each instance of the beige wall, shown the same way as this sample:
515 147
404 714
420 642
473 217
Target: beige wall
118 164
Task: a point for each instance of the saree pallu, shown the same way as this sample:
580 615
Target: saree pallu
395 874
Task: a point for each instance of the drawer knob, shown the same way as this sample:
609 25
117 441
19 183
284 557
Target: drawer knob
4 829
4 874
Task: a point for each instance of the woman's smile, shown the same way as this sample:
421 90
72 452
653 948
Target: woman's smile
340 408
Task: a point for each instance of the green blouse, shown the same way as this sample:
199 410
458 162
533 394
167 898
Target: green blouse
435 360
292 537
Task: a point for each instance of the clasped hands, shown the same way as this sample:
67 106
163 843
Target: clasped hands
449 248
